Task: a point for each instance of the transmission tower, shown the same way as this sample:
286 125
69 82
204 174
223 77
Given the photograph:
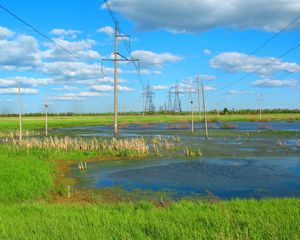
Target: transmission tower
169 106
149 107
177 103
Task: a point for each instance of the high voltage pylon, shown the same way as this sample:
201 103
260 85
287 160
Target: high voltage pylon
169 105
177 103
149 106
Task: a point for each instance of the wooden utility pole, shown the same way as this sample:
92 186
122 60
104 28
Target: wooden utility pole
204 111
192 106
198 92
116 82
20 109
46 114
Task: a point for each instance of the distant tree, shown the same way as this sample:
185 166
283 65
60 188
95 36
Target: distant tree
225 111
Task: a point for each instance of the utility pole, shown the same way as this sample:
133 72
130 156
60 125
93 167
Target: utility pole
116 83
204 111
260 99
46 108
192 105
198 92
20 110
116 60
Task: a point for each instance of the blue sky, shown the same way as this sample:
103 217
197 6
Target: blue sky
174 40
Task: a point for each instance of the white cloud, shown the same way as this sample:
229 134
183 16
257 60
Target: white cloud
15 91
7 82
198 16
76 96
236 92
240 62
65 88
152 59
82 49
5 32
207 52
274 83
22 51
209 88
206 77
109 88
107 30
63 32
159 87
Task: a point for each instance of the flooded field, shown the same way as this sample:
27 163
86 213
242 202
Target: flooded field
225 178
235 162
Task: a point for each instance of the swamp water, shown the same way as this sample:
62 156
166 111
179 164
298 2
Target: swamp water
232 166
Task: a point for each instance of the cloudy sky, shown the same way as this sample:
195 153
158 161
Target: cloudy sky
241 49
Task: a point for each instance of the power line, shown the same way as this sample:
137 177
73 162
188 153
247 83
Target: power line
39 32
260 47
114 19
263 66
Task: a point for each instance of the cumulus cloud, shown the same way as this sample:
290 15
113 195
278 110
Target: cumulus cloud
26 81
152 59
240 62
65 32
199 16
65 88
206 77
268 83
108 30
82 49
5 32
76 96
15 91
22 51
110 88
207 52
159 87
237 92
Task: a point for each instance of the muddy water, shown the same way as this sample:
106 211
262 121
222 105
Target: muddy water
225 178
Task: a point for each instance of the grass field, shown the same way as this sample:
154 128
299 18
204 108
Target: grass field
29 180
236 219
12 123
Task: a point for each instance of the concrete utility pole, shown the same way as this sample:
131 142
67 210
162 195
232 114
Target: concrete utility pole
46 113
204 111
20 110
116 60
192 105
116 83
260 100
198 92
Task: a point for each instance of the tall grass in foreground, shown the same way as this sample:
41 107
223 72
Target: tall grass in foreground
237 219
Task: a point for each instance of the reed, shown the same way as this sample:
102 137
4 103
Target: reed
123 147
190 152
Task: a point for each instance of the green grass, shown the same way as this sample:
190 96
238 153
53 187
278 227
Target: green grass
237 219
24 177
12 123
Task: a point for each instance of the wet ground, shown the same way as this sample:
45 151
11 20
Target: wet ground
239 162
